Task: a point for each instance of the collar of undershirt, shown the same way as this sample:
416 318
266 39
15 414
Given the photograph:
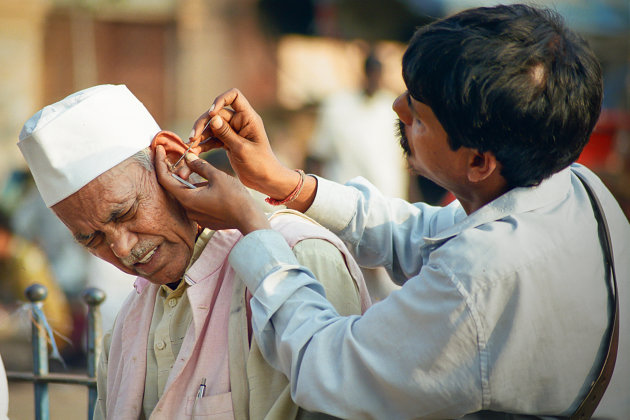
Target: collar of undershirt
203 237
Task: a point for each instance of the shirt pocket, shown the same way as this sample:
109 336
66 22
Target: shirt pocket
211 407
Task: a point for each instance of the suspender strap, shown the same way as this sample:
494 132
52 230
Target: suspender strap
595 394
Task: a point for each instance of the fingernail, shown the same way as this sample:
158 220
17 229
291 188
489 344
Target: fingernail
211 108
191 157
216 122
192 134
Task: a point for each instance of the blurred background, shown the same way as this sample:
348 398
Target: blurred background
322 74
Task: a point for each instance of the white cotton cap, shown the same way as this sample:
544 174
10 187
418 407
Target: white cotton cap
69 143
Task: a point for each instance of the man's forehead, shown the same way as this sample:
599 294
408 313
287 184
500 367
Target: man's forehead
121 180
108 192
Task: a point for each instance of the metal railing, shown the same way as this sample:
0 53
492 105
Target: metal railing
41 377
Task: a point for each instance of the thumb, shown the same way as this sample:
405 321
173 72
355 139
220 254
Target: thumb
200 166
224 132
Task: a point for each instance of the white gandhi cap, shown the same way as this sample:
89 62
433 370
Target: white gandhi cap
69 143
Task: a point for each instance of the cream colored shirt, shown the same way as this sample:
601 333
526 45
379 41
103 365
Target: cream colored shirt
171 319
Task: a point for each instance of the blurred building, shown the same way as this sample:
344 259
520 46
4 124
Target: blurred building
286 55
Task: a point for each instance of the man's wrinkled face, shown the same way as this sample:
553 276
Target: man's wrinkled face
125 218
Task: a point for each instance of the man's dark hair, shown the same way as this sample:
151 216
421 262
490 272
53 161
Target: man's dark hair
512 80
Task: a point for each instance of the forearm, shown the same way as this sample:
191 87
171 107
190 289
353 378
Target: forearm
379 231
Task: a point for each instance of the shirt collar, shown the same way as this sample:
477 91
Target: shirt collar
516 201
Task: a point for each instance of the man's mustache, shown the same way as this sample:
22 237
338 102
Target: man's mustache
402 138
137 253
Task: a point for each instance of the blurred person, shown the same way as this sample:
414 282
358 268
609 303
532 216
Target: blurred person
355 136
508 308
33 221
22 264
180 346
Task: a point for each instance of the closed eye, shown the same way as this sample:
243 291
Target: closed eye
118 216
95 241
90 241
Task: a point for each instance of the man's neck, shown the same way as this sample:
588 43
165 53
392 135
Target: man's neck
174 284
474 198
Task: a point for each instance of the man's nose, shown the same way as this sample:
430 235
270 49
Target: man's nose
121 242
401 107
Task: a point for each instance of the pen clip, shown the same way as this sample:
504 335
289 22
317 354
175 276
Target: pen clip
202 388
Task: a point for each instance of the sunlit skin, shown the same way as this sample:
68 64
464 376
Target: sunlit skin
473 177
125 218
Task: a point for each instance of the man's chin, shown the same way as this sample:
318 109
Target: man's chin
161 278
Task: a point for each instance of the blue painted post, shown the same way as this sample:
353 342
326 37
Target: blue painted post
36 293
93 297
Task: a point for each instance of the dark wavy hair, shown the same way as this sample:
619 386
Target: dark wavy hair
512 80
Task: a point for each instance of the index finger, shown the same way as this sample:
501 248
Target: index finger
201 130
232 98
163 174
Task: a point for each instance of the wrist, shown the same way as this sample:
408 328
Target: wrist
303 202
281 183
254 219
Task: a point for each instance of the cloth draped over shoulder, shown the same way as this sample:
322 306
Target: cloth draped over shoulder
241 386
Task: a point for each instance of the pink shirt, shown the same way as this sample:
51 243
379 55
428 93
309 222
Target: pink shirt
204 351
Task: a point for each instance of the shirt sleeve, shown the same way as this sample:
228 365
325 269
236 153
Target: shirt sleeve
415 354
329 267
378 230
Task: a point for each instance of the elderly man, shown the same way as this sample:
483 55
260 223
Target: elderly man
180 347
509 300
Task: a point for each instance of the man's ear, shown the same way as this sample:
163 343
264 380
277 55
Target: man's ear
175 148
481 166
173 145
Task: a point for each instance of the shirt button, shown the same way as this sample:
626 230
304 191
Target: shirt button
160 345
172 302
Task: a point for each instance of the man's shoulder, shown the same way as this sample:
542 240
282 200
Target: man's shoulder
327 257
293 224
134 298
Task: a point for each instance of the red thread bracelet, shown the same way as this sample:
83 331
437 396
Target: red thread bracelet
294 194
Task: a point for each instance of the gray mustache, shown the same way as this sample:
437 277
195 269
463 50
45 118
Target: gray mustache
137 253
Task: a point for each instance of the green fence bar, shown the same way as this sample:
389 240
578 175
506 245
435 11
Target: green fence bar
36 295
41 377
93 297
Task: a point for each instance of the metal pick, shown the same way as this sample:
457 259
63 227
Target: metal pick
191 145
182 157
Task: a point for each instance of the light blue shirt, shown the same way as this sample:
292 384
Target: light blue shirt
504 309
